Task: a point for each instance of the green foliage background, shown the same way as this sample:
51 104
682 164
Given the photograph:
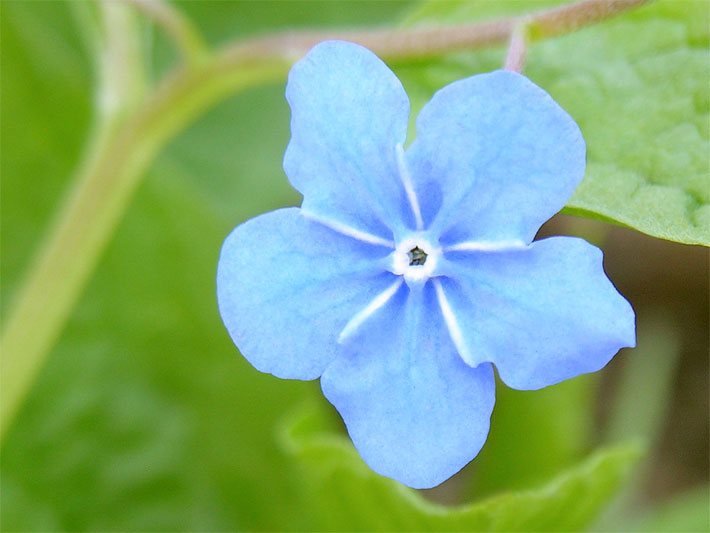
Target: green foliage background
146 418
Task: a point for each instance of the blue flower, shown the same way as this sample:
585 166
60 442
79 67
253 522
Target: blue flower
406 275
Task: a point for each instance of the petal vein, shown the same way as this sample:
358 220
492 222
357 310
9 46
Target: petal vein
452 324
409 187
379 301
344 229
485 246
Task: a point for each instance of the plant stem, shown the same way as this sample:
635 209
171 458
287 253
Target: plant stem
106 184
180 29
121 69
414 43
517 50
133 133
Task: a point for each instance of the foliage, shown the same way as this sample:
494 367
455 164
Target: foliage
144 417
333 473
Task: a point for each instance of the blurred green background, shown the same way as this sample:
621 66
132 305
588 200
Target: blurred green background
146 418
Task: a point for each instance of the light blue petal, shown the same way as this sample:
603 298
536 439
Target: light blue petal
494 158
348 113
541 314
414 410
287 286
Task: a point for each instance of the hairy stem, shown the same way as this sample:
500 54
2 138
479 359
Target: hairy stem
132 135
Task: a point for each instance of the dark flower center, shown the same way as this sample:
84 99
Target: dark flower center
417 256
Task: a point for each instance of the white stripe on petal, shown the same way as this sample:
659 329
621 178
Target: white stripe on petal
485 246
379 301
344 229
452 324
409 186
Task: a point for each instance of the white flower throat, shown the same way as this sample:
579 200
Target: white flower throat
415 258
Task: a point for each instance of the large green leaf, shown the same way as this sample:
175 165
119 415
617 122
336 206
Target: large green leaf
638 87
333 473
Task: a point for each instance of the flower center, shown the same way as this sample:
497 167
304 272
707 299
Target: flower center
415 258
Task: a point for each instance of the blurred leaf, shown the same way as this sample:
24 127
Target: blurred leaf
636 85
688 512
553 438
145 417
642 405
45 116
646 381
333 473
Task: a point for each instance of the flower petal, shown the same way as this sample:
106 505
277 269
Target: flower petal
541 314
348 113
414 410
494 158
287 286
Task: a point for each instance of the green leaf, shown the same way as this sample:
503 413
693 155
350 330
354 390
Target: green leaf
47 106
684 512
554 438
636 85
689 511
332 473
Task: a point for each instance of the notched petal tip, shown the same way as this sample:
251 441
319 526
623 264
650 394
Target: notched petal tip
348 112
287 285
414 410
543 314
421 447
507 156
